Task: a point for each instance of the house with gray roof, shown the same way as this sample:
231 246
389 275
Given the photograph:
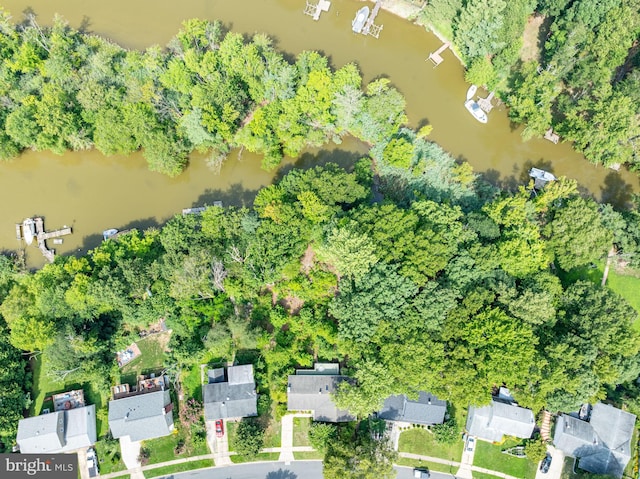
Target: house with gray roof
59 431
603 444
141 416
499 419
233 397
427 409
311 390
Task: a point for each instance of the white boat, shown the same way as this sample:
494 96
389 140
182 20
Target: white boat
471 92
538 174
28 230
106 234
361 17
476 111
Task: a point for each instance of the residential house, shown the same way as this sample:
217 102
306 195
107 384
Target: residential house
427 409
232 398
499 419
311 389
144 413
602 444
71 426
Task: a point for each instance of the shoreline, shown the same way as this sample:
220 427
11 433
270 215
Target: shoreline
408 11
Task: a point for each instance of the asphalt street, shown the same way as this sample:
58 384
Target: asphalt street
278 470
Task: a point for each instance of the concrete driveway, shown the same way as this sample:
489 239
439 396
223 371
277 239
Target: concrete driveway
130 452
82 463
219 445
555 469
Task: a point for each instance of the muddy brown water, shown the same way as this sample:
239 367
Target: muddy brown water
91 192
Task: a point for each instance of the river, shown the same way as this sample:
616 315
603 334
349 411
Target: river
91 192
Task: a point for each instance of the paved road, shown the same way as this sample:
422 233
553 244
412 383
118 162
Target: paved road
278 470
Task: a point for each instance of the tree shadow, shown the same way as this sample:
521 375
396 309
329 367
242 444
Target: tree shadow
495 178
616 191
343 158
235 195
282 474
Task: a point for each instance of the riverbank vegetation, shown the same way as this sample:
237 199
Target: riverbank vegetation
454 296
583 81
208 90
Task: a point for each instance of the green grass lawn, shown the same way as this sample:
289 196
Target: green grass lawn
271 436
308 455
432 466
482 475
151 359
626 286
187 466
490 456
263 456
106 463
192 382
301 426
162 449
420 441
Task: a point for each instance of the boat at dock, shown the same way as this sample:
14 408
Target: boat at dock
542 175
106 234
360 19
476 111
471 92
29 230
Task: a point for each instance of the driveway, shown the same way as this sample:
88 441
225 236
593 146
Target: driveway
82 463
219 445
130 452
466 462
557 461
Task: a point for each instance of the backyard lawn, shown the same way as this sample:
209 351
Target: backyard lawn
490 456
420 441
44 387
301 426
151 359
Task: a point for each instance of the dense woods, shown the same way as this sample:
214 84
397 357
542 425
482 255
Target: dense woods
583 81
208 91
454 296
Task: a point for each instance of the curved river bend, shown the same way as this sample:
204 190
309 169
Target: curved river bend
91 193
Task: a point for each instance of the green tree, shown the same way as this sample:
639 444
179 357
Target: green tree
249 439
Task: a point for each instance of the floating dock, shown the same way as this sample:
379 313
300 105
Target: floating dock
199 209
18 231
436 57
315 9
369 28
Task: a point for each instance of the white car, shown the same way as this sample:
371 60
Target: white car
92 463
471 442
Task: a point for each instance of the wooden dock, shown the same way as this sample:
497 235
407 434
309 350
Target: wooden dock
315 9
369 28
485 103
436 57
42 236
551 136
18 231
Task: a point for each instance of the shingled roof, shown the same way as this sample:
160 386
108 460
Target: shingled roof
311 391
500 419
603 444
143 416
56 432
234 398
427 409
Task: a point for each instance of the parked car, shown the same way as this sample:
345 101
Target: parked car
545 464
471 442
219 428
92 462
421 473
